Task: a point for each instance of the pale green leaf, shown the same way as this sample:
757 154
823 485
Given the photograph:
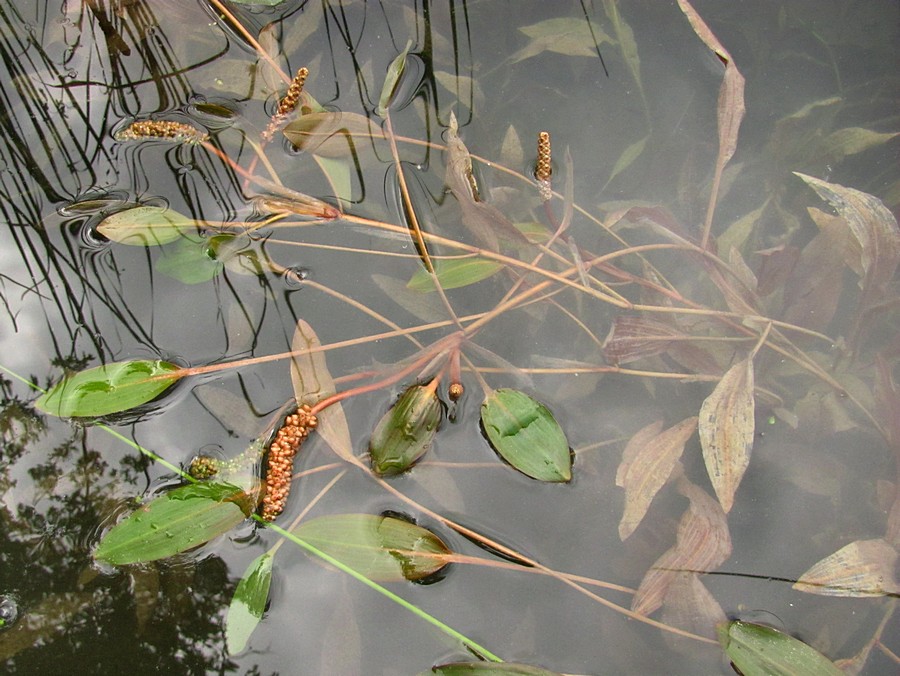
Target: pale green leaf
525 434
248 603
383 548
758 649
570 36
111 388
454 273
333 133
174 522
491 668
191 260
146 226
394 72
628 156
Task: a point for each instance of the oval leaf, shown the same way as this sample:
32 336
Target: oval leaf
248 604
106 389
726 430
179 520
383 548
404 434
493 668
758 649
146 226
525 434
454 273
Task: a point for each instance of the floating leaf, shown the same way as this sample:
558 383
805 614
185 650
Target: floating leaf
862 568
174 522
758 649
702 543
525 434
332 133
44 621
146 226
248 603
570 36
191 260
726 430
647 463
312 383
383 548
394 72
454 273
404 434
493 668
106 389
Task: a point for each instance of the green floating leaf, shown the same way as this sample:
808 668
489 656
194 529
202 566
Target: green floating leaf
190 261
758 649
395 70
111 388
146 226
525 434
454 273
382 548
493 668
406 431
179 520
248 604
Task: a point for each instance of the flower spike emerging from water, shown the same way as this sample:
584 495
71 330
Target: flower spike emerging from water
543 169
287 105
282 450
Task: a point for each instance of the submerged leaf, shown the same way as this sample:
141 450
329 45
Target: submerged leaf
332 133
174 522
111 388
248 603
191 260
454 273
758 649
628 156
146 226
862 568
404 434
647 463
525 434
702 543
312 383
383 548
571 36
726 430
492 668
632 338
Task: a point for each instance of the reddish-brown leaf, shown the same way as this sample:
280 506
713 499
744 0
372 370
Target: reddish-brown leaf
730 108
726 430
690 606
702 543
647 463
632 338
862 568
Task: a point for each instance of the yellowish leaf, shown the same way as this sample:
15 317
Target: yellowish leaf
726 430
862 568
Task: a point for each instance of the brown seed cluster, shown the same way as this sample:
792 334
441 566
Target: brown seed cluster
282 450
455 391
287 104
168 130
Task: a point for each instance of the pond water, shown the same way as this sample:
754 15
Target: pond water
791 289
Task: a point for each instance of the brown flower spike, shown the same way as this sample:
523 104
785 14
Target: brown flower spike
287 104
168 130
544 169
294 430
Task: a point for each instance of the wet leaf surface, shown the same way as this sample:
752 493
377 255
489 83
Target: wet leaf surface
383 548
525 434
758 649
107 389
405 433
248 603
146 226
454 273
178 520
